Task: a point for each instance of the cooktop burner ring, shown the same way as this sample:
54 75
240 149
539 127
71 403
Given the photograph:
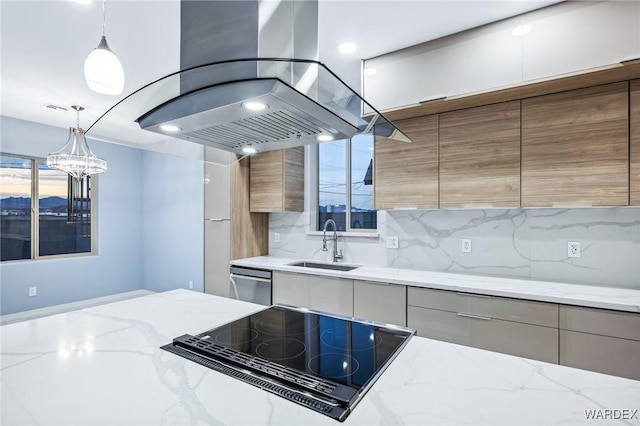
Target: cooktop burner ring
336 338
274 327
224 338
294 348
348 363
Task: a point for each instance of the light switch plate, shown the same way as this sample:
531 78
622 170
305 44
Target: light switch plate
276 237
392 242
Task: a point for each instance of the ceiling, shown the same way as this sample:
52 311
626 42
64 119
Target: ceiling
44 44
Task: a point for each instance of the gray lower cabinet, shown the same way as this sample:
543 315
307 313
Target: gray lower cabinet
327 294
588 338
600 340
380 302
333 295
290 289
524 328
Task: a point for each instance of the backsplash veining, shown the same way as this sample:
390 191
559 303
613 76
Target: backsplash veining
525 243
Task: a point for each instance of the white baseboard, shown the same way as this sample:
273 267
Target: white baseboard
67 307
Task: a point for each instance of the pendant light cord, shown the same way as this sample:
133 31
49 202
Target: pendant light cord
104 16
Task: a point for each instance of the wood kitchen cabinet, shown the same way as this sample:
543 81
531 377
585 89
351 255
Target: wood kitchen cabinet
634 138
277 181
600 340
380 302
480 157
327 294
406 174
518 327
575 148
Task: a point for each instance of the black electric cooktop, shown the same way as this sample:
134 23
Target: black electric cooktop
318 360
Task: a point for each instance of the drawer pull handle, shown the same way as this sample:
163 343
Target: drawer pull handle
481 296
461 314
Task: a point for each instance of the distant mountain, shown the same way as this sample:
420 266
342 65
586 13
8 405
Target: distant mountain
52 202
21 203
15 203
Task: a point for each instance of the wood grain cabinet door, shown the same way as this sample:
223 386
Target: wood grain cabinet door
406 174
480 157
634 127
277 181
575 148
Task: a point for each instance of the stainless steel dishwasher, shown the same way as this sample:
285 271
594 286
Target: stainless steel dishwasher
251 285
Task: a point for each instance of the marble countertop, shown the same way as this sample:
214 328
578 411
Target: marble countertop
103 365
621 299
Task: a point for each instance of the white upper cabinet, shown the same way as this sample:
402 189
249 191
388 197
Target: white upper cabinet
564 38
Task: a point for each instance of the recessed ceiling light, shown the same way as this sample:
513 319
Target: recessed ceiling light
170 128
249 150
369 71
83 1
254 106
521 30
347 48
325 138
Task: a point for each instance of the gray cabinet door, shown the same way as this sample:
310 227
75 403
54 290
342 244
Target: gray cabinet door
217 191
380 302
525 340
290 289
217 255
333 295
600 340
525 311
604 354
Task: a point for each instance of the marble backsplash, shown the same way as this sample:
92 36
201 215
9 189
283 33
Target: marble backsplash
523 243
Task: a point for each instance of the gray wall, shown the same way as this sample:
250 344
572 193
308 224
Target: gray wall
149 232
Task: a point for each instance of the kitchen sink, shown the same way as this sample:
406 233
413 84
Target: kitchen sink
318 265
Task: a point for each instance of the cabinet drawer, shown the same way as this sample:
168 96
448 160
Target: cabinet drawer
380 302
524 311
608 355
525 340
625 325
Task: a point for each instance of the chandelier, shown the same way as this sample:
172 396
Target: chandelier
75 157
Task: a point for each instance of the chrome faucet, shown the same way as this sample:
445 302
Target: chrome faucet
336 255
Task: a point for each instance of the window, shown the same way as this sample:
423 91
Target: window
345 184
43 212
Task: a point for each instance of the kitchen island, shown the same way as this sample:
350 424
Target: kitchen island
104 365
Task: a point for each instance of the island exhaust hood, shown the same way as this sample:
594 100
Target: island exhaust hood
251 81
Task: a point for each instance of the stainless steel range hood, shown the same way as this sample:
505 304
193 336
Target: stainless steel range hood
234 53
216 116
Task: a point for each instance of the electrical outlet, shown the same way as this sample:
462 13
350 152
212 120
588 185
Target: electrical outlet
276 237
33 291
392 242
466 245
573 249
191 284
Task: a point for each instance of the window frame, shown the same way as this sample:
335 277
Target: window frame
317 227
35 214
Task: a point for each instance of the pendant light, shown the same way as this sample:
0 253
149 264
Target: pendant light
102 69
75 157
